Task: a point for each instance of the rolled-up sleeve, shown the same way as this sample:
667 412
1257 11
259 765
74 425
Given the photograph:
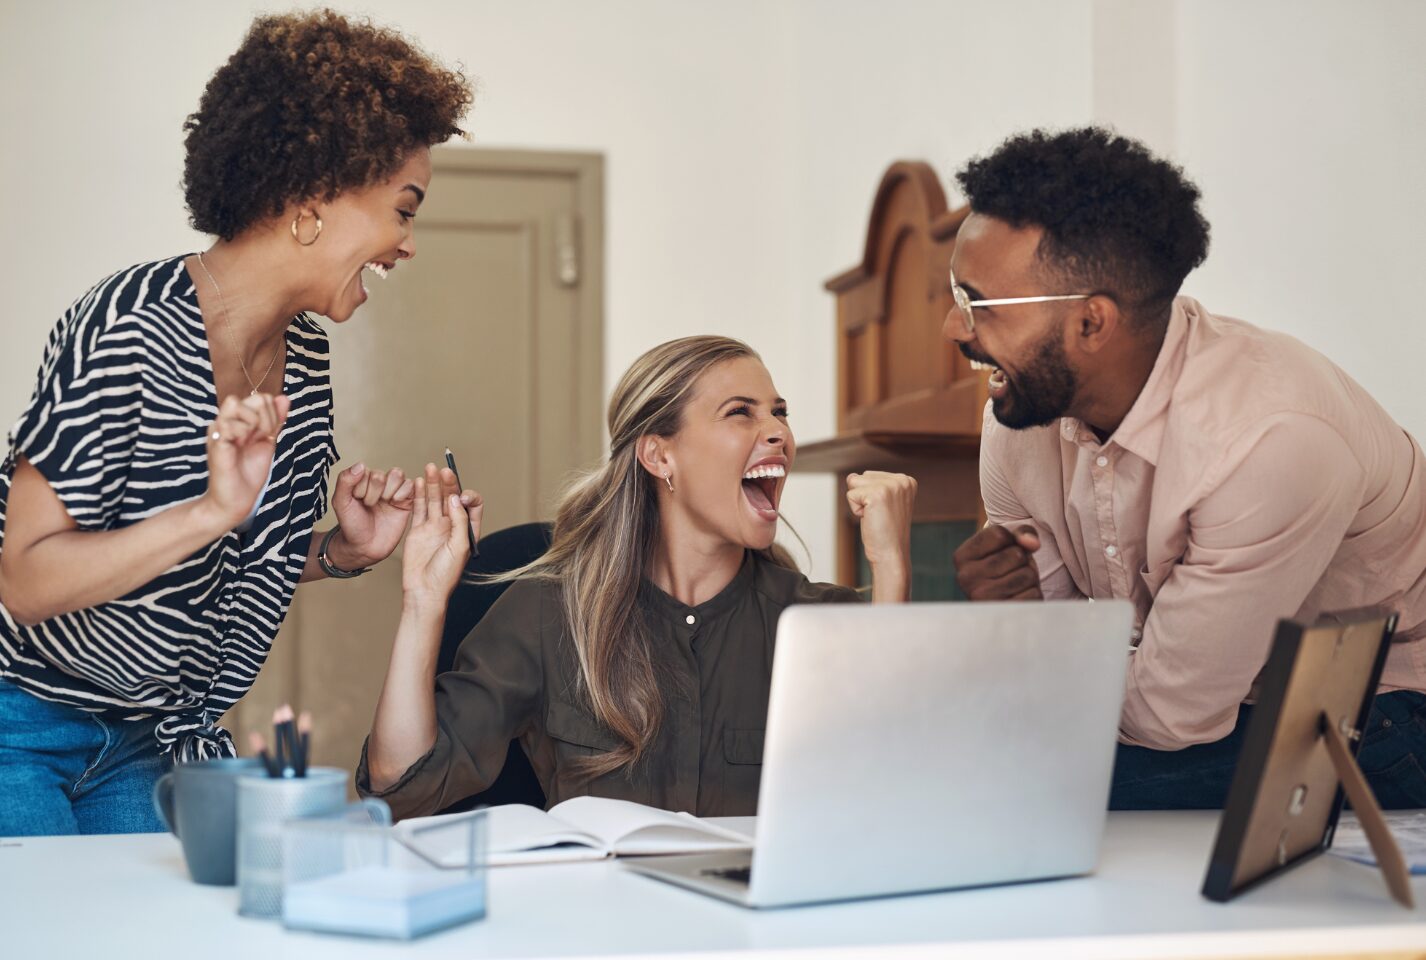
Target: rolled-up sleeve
1258 542
1003 508
489 697
81 426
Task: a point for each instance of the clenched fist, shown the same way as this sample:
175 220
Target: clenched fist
883 503
999 564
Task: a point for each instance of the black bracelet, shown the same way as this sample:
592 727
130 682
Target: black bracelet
329 568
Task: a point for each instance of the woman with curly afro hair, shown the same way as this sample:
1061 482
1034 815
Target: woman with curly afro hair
159 494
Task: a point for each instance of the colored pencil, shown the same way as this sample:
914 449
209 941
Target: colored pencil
259 747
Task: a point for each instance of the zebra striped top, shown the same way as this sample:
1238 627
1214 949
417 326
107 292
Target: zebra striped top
117 425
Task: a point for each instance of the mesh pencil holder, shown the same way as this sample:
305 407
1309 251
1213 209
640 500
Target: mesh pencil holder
264 805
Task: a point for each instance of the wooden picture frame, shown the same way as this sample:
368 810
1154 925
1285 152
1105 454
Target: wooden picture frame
1298 766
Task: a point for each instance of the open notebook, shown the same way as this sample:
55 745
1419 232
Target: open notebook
584 828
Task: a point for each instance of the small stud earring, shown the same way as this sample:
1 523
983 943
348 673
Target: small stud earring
668 480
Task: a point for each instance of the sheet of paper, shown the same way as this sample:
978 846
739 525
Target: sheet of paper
1407 826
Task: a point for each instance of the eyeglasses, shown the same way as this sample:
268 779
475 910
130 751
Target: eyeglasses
967 306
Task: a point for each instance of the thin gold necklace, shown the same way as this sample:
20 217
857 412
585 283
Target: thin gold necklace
233 341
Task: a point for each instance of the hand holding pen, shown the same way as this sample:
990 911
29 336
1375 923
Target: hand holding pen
443 521
451 465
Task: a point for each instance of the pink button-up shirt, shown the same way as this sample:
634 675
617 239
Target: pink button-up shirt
1251 480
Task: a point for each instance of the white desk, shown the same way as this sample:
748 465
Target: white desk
129 896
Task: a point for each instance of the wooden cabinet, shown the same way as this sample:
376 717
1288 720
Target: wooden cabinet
907 400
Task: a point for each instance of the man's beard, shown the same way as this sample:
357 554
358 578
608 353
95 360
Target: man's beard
1041 392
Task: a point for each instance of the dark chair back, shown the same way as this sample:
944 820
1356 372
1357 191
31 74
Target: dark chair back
500 551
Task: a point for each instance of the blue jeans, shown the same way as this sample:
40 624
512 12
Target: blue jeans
63 770
1392 755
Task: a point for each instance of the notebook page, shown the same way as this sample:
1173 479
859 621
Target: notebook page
515 833
635 829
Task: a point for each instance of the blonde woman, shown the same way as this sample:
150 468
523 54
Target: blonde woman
633 659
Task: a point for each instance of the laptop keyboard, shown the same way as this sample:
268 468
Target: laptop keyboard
735 874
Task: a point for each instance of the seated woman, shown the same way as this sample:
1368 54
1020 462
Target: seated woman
633 660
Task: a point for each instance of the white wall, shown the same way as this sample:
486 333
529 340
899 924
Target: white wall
744 141
1305 126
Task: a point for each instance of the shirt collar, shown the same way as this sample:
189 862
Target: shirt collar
1141 432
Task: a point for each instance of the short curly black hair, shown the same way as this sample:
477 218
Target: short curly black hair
311 104
1116 218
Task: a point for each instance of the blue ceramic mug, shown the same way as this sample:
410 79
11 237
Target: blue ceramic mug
198 803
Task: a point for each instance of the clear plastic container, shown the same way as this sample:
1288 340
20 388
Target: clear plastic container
347 874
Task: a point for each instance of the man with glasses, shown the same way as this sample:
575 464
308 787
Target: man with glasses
1218 475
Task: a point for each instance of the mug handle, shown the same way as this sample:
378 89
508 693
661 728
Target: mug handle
376 808
163 802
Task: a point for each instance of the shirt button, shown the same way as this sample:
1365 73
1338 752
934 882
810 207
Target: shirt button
1102 461
690 619
1111 551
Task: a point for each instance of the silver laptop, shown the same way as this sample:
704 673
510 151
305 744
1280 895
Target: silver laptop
926 746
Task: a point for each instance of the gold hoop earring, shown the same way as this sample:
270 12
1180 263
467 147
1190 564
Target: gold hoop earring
298 219
668 480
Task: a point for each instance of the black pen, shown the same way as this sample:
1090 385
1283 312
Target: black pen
451 462
284 740
304 742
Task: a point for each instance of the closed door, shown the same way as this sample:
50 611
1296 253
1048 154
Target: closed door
489 342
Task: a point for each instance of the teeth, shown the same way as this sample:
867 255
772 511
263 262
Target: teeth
377 269
977 365
768 470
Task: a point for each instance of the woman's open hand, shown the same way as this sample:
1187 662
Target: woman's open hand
437 545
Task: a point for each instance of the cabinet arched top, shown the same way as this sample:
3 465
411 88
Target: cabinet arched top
909 198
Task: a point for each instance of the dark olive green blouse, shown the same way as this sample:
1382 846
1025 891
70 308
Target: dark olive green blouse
515 674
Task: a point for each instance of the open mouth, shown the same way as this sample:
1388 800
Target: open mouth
998 383
760 488
377 267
